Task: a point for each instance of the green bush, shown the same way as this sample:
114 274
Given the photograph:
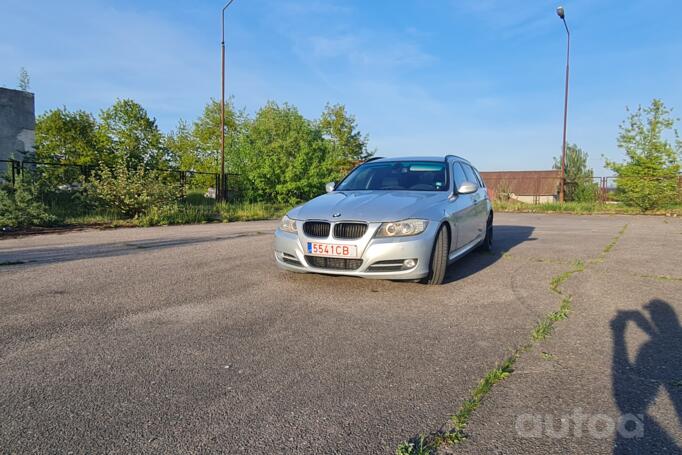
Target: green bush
582 190
580 185
132 191
21 207
648 179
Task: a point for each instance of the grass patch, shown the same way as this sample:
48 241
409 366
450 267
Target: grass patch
194 208
252 211
184 213
583 208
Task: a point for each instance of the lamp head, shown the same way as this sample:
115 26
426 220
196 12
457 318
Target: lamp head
560 12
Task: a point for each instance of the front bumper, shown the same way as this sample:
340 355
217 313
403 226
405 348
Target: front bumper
291 251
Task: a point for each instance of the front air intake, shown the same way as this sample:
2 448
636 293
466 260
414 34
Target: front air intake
349 231
316 229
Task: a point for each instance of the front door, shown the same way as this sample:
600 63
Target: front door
462 211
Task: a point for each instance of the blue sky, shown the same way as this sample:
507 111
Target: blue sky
483 79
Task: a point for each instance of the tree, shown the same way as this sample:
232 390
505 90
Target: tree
24 80
579 184
649 176
197 147
133 135
285 156
347 145
72 137
69 137
182 146
206 131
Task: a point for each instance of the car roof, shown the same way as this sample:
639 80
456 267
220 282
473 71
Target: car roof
419 158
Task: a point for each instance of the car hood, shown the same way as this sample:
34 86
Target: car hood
370 206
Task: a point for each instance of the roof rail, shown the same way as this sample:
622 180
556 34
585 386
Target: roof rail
456 157
373 159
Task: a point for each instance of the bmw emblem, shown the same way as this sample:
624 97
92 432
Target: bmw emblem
336 215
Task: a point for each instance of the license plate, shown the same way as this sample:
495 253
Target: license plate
334 251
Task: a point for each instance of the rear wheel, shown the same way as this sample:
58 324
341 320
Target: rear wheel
439 259
487 244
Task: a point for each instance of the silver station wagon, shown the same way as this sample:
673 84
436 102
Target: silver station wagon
390 218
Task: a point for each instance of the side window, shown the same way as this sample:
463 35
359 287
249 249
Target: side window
460 177
478 176
471 176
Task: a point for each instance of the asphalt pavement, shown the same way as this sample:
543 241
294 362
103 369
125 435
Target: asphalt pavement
188 339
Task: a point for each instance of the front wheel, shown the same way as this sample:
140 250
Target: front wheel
439 259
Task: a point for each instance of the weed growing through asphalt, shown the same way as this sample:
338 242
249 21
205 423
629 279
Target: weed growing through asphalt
611 244
413 448
456 434
661 277
547 356
563 311
542 330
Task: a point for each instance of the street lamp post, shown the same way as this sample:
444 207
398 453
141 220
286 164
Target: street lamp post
561 13
222 191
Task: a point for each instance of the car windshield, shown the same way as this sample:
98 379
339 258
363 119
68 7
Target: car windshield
397 176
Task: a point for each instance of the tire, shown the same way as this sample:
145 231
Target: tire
487 244
439 259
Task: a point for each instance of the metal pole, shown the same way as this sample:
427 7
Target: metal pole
563 149
222 190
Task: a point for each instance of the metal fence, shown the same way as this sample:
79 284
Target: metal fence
67 176
535 189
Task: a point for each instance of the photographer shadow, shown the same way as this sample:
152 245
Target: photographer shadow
657 367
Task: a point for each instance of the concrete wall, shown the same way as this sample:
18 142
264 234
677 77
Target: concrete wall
535 199
17 124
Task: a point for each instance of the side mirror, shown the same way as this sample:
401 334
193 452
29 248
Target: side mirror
329 187
467 188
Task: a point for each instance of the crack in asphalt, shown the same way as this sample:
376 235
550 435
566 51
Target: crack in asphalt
453 433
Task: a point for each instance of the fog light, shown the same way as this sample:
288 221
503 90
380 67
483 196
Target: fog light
409 263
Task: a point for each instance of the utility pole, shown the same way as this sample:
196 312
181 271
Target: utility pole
221 193
561 13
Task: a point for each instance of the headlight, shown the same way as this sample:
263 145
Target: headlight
288 225
402 228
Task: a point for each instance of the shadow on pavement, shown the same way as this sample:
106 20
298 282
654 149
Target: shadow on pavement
505 238
657 367
37 256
